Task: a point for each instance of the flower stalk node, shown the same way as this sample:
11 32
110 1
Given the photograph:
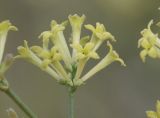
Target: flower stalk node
65 82
4 85
78 82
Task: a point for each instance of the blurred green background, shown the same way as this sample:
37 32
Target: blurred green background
115 92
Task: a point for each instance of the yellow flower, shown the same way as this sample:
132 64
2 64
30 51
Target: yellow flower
100 31
86 51
58 39
76 24
5 26
111 57
150 43
99 34
52 55
26 53
154 114
83 54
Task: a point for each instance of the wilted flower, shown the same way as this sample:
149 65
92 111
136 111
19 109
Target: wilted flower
154 114
11 113
54 56
150 43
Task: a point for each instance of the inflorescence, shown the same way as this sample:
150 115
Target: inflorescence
55 57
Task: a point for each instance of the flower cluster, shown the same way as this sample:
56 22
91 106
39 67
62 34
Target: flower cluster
150 43
154 114
55 57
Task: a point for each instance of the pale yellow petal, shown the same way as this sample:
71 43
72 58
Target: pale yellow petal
77 46
143 55
45 54
90 27
153 52
46 35
45 63
6 26
88 47
145 43
94 55
81 56
57 57
151 114
36 49
84 40
76 21
54 50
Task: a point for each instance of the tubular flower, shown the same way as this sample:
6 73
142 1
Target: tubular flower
111 57
55 58
26 53
57 38
154 114
150 43
5 26
99 34
76 24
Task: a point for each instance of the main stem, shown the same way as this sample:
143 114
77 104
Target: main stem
20 103
71 104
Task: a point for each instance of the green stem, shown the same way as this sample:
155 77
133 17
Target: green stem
20 103
71 104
